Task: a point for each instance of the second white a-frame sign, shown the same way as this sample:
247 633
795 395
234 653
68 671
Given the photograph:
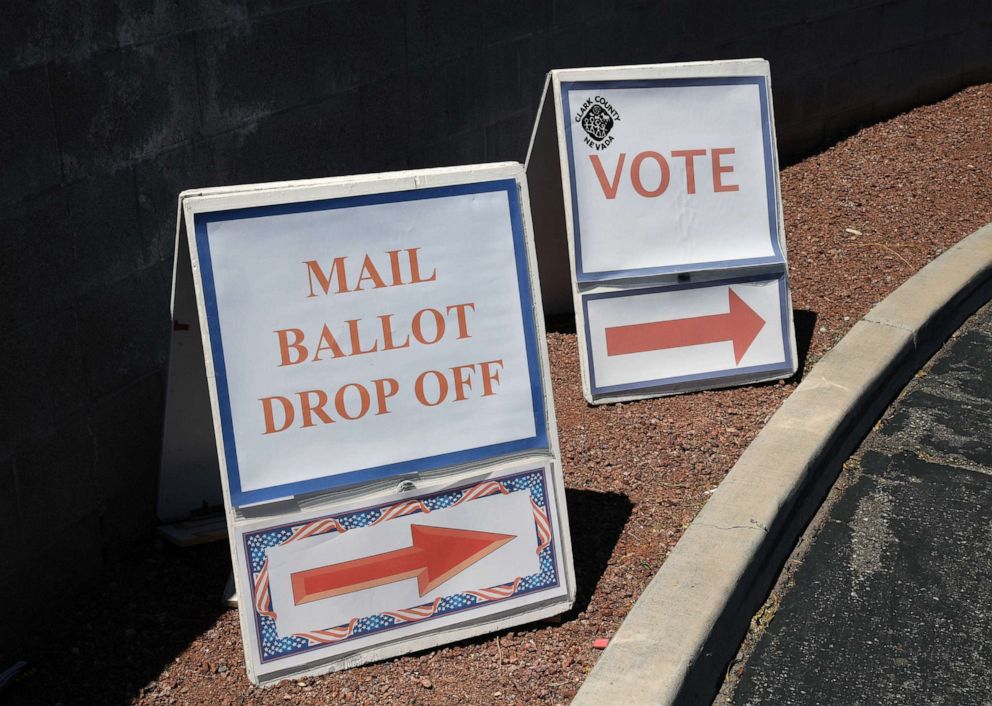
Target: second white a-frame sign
661 182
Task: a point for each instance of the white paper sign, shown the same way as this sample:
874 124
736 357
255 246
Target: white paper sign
344 586
668 179
680 180
403 318
378 386
670 336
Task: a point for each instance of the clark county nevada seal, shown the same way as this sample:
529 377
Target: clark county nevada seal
597 117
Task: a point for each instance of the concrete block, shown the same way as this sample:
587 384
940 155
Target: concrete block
10 515
512 19
213 13
324 139
42 377
568 47
124 330
115 108
56 485
160 180
138 21
29 156
785 49
437 31
126 427
575 12
943 18
385 124
268 7
467 147
507 140
103 216
817 10
47 30
37 269
903 23
250 70
514 77
445 100
840 38
360 41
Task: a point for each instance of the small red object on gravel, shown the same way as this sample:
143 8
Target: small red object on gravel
601 643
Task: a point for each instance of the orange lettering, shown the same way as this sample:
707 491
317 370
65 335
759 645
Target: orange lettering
719 169
337 269
381 395
690 166
635 174
418 331
488 376
609 190
460 382
369 272
363 396
387 334
442 388
308 408
287 408
328 343
356 342
460 309
415 277
296 345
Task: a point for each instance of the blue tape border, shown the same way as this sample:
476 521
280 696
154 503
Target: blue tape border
761 82
538 441
549 557
715 377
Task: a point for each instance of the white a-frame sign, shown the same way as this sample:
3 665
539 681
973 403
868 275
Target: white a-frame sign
371 354
661 182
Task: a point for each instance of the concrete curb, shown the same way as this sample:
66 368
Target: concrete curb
674 646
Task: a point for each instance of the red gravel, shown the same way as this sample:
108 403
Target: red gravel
860 218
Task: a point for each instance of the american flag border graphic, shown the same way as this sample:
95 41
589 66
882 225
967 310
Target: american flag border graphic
271 647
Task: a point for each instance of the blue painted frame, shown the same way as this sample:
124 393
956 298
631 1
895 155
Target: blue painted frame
241 497
582 276
714 378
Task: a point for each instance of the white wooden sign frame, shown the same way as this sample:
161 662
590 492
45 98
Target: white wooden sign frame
568 286
315 511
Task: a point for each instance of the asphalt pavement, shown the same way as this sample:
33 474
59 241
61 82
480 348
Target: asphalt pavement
888 597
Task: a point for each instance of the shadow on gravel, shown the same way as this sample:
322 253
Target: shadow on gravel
805 323
560 323
596 520
120 632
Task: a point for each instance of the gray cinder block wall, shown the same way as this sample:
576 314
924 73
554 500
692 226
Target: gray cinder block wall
109 109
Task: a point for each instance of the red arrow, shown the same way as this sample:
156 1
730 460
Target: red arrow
437 554
741 325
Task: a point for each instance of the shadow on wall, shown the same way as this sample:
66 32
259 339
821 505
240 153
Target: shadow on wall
115 635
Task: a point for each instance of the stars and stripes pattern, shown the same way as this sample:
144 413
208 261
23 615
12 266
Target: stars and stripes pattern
310 529
262 592
323 637
273 646
410 615
407 507
496 593
482 490
543 526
